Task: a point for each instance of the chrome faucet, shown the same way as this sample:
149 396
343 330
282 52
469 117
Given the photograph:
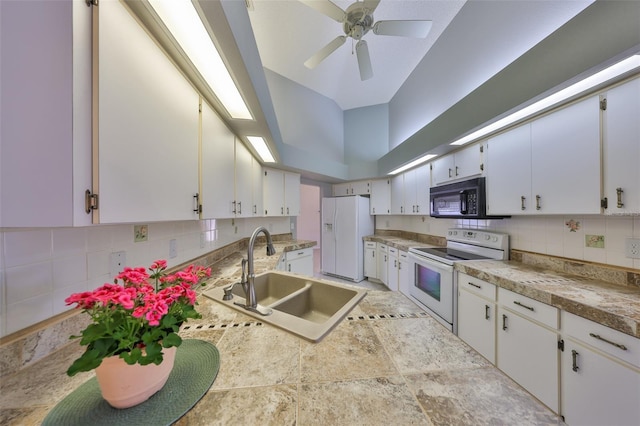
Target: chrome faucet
248 280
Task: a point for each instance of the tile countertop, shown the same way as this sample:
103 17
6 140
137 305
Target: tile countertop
615 306
388 362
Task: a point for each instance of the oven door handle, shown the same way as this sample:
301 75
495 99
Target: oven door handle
464 208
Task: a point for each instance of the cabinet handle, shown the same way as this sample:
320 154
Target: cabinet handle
282 211
522 200
504 322
450 172
524 306
373 253
617 345
255 209
239 207
538 207
395 263
486 311
289 267
196 200
456 170
374 210
401 209
619 191
233 208
287 211
474 285
574 356
399 266
418 208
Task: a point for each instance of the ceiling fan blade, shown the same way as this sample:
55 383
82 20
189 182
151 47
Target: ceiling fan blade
364 61
321 54
417 29
371 5
326 7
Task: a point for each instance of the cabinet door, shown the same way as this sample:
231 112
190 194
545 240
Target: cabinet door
409 189
380 197
292 194
622 149
147 126
422 183
243 181
341 189
392 269
477 323
382 264
508 160
370 262
565 166
442 169
300 262
404 277
273 192
528 353
597 390
397 194
468 162
256 188
361 187
218 172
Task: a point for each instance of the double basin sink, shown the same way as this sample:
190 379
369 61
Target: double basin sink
305 306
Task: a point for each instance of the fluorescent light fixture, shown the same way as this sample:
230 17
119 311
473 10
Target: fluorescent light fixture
575 89
184 23
414 163
261 148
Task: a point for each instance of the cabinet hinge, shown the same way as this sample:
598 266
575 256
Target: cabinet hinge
561 345
91 2
603 104
90 201
604 203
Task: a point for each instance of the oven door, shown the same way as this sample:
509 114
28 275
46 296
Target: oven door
432 284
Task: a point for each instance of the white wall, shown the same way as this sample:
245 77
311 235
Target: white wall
40 267
549 235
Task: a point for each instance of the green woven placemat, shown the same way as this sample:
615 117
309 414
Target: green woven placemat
196 367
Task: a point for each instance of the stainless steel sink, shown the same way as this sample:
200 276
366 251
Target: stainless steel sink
307 307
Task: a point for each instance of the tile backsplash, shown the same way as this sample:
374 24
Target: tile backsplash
40 267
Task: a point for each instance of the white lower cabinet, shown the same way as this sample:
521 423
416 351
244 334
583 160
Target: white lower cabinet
477 315
600 374
404 272
382 263
370 260
298 262
392 268
527 345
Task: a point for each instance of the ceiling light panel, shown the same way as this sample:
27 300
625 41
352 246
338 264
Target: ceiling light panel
261 148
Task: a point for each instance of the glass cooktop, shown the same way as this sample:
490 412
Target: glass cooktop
446 253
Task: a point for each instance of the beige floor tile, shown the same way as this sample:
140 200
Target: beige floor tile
388 302
481 396
422 344
359 402
257 356
273 405
352 350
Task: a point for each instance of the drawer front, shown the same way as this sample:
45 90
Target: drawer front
382 247
537 311
392 251
479 287
369 244
297 254
609 341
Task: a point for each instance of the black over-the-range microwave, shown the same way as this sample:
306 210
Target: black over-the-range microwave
466 199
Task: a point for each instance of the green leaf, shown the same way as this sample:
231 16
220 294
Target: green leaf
172 339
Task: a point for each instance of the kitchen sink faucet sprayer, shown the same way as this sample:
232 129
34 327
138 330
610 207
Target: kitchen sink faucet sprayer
248 282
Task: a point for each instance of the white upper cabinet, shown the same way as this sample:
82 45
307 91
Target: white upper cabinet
416 190
548 166
621 148
243 181
380 201
397 194
508 159
217 166
462 164
361 187
147 135
565 159
45 164
281 193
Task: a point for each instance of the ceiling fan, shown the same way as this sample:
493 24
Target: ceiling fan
357 21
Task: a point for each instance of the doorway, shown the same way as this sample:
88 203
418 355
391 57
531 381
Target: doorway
309 220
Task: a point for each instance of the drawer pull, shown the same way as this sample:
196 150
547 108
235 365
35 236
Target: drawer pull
574 356
475 285
524 306
486 312
504 322
617 345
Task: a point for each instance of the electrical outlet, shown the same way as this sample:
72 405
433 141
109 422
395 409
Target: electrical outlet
117 262
632 248
173 248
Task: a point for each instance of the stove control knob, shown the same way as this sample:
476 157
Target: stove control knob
495 239
487 237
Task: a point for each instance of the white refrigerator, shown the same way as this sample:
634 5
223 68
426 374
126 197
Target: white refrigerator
345 221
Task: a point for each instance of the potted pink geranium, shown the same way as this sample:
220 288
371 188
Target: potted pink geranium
139 318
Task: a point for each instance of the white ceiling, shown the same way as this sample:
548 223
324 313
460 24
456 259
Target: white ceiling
288 32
